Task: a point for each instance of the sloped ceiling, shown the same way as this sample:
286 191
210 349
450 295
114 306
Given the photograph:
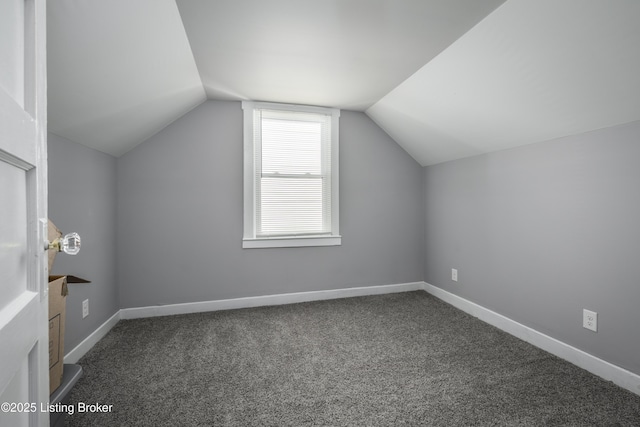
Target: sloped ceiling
445 78
118 71
344 54
532 71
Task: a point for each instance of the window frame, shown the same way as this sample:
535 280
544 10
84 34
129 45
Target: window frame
250 240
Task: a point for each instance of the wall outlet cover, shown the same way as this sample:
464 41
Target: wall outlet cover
590 320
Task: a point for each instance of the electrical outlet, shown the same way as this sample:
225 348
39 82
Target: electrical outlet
590 320
85 308
454 274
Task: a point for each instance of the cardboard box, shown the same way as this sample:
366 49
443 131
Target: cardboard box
58 291
57 312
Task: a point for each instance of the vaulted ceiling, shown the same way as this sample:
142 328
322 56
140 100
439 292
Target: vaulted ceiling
445 78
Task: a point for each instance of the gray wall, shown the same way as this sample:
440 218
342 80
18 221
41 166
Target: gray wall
82 198
540 232
180 216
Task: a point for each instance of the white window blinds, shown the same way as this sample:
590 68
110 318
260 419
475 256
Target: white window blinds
292 173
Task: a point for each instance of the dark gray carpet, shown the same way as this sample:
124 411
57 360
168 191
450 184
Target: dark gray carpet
399 359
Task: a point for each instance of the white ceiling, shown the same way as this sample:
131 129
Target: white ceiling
121 70
340 53
445 78
532 71
118 71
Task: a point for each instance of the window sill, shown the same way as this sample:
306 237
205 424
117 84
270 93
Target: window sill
291 242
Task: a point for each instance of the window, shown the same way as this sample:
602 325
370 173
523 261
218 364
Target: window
290 176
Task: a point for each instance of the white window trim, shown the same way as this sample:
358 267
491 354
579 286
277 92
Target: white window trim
249 237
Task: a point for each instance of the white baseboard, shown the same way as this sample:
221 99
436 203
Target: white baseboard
228 304
619 376
81 349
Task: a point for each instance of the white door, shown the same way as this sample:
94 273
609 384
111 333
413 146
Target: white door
24 344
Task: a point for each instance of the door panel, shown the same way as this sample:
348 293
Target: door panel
12 48
17 391
13 229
